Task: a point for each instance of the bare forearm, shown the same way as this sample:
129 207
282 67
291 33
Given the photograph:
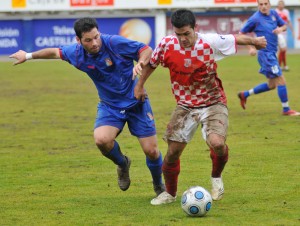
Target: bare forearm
291 26
48 53
144 59
145 56
147 71
139 91
244 39
283 28
251 42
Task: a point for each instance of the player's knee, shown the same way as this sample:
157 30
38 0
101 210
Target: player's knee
103 142
218 147
152 152
173 155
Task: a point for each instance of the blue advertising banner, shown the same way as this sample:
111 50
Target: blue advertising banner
32 35
11 33
52 33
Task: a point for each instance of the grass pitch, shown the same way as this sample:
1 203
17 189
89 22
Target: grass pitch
51 173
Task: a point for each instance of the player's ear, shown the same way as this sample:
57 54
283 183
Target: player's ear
78 39
197 27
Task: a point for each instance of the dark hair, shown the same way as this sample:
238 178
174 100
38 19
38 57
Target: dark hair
183 17
83 25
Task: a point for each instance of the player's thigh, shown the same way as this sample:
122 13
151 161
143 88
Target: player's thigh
105 134
277 81
107 116
269 64
149 146
282 41
215 121
140 120
182 125
108 124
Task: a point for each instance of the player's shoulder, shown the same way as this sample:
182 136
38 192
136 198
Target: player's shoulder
206 35
286 11
108 37
213 37
169 39
256 15
273 12
72 48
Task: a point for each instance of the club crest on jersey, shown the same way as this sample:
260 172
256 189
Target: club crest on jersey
273 18
108 62
187 62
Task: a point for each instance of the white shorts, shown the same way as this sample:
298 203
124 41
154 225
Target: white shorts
185 121
282 41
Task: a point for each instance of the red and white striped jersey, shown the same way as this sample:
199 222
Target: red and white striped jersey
193 71
284 14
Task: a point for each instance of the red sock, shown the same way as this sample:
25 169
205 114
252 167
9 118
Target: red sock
218 162
171 172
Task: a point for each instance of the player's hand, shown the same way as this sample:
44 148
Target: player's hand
20 56
137 69
252 51
140 93
278 30
260 42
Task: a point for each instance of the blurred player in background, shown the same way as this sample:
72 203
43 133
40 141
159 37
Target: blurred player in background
191 59
266 22
109 62
282 37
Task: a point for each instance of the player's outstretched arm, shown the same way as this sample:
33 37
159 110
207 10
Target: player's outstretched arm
257 42
48 53
279 30
143 60
252 43
139 91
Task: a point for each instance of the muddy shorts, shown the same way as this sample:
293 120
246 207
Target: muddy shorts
185 121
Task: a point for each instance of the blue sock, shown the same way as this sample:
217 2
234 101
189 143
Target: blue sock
261 88
116 156
155 167
282 93
246 93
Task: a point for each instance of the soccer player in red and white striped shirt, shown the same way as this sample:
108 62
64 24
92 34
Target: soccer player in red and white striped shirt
201 101
284 13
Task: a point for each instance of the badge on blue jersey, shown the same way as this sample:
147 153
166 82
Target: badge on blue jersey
108 62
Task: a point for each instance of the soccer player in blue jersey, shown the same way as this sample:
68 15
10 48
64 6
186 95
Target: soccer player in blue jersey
266 22
109 61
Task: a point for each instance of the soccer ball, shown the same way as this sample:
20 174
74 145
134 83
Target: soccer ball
196 201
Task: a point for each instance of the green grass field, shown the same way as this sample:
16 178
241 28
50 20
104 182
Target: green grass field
51 172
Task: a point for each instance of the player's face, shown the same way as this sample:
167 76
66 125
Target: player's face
264 6
280 5
91 41
186 36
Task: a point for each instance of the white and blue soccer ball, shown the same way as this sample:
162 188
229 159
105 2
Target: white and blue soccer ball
196 201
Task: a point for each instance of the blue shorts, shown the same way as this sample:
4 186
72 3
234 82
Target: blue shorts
139 118
269 64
